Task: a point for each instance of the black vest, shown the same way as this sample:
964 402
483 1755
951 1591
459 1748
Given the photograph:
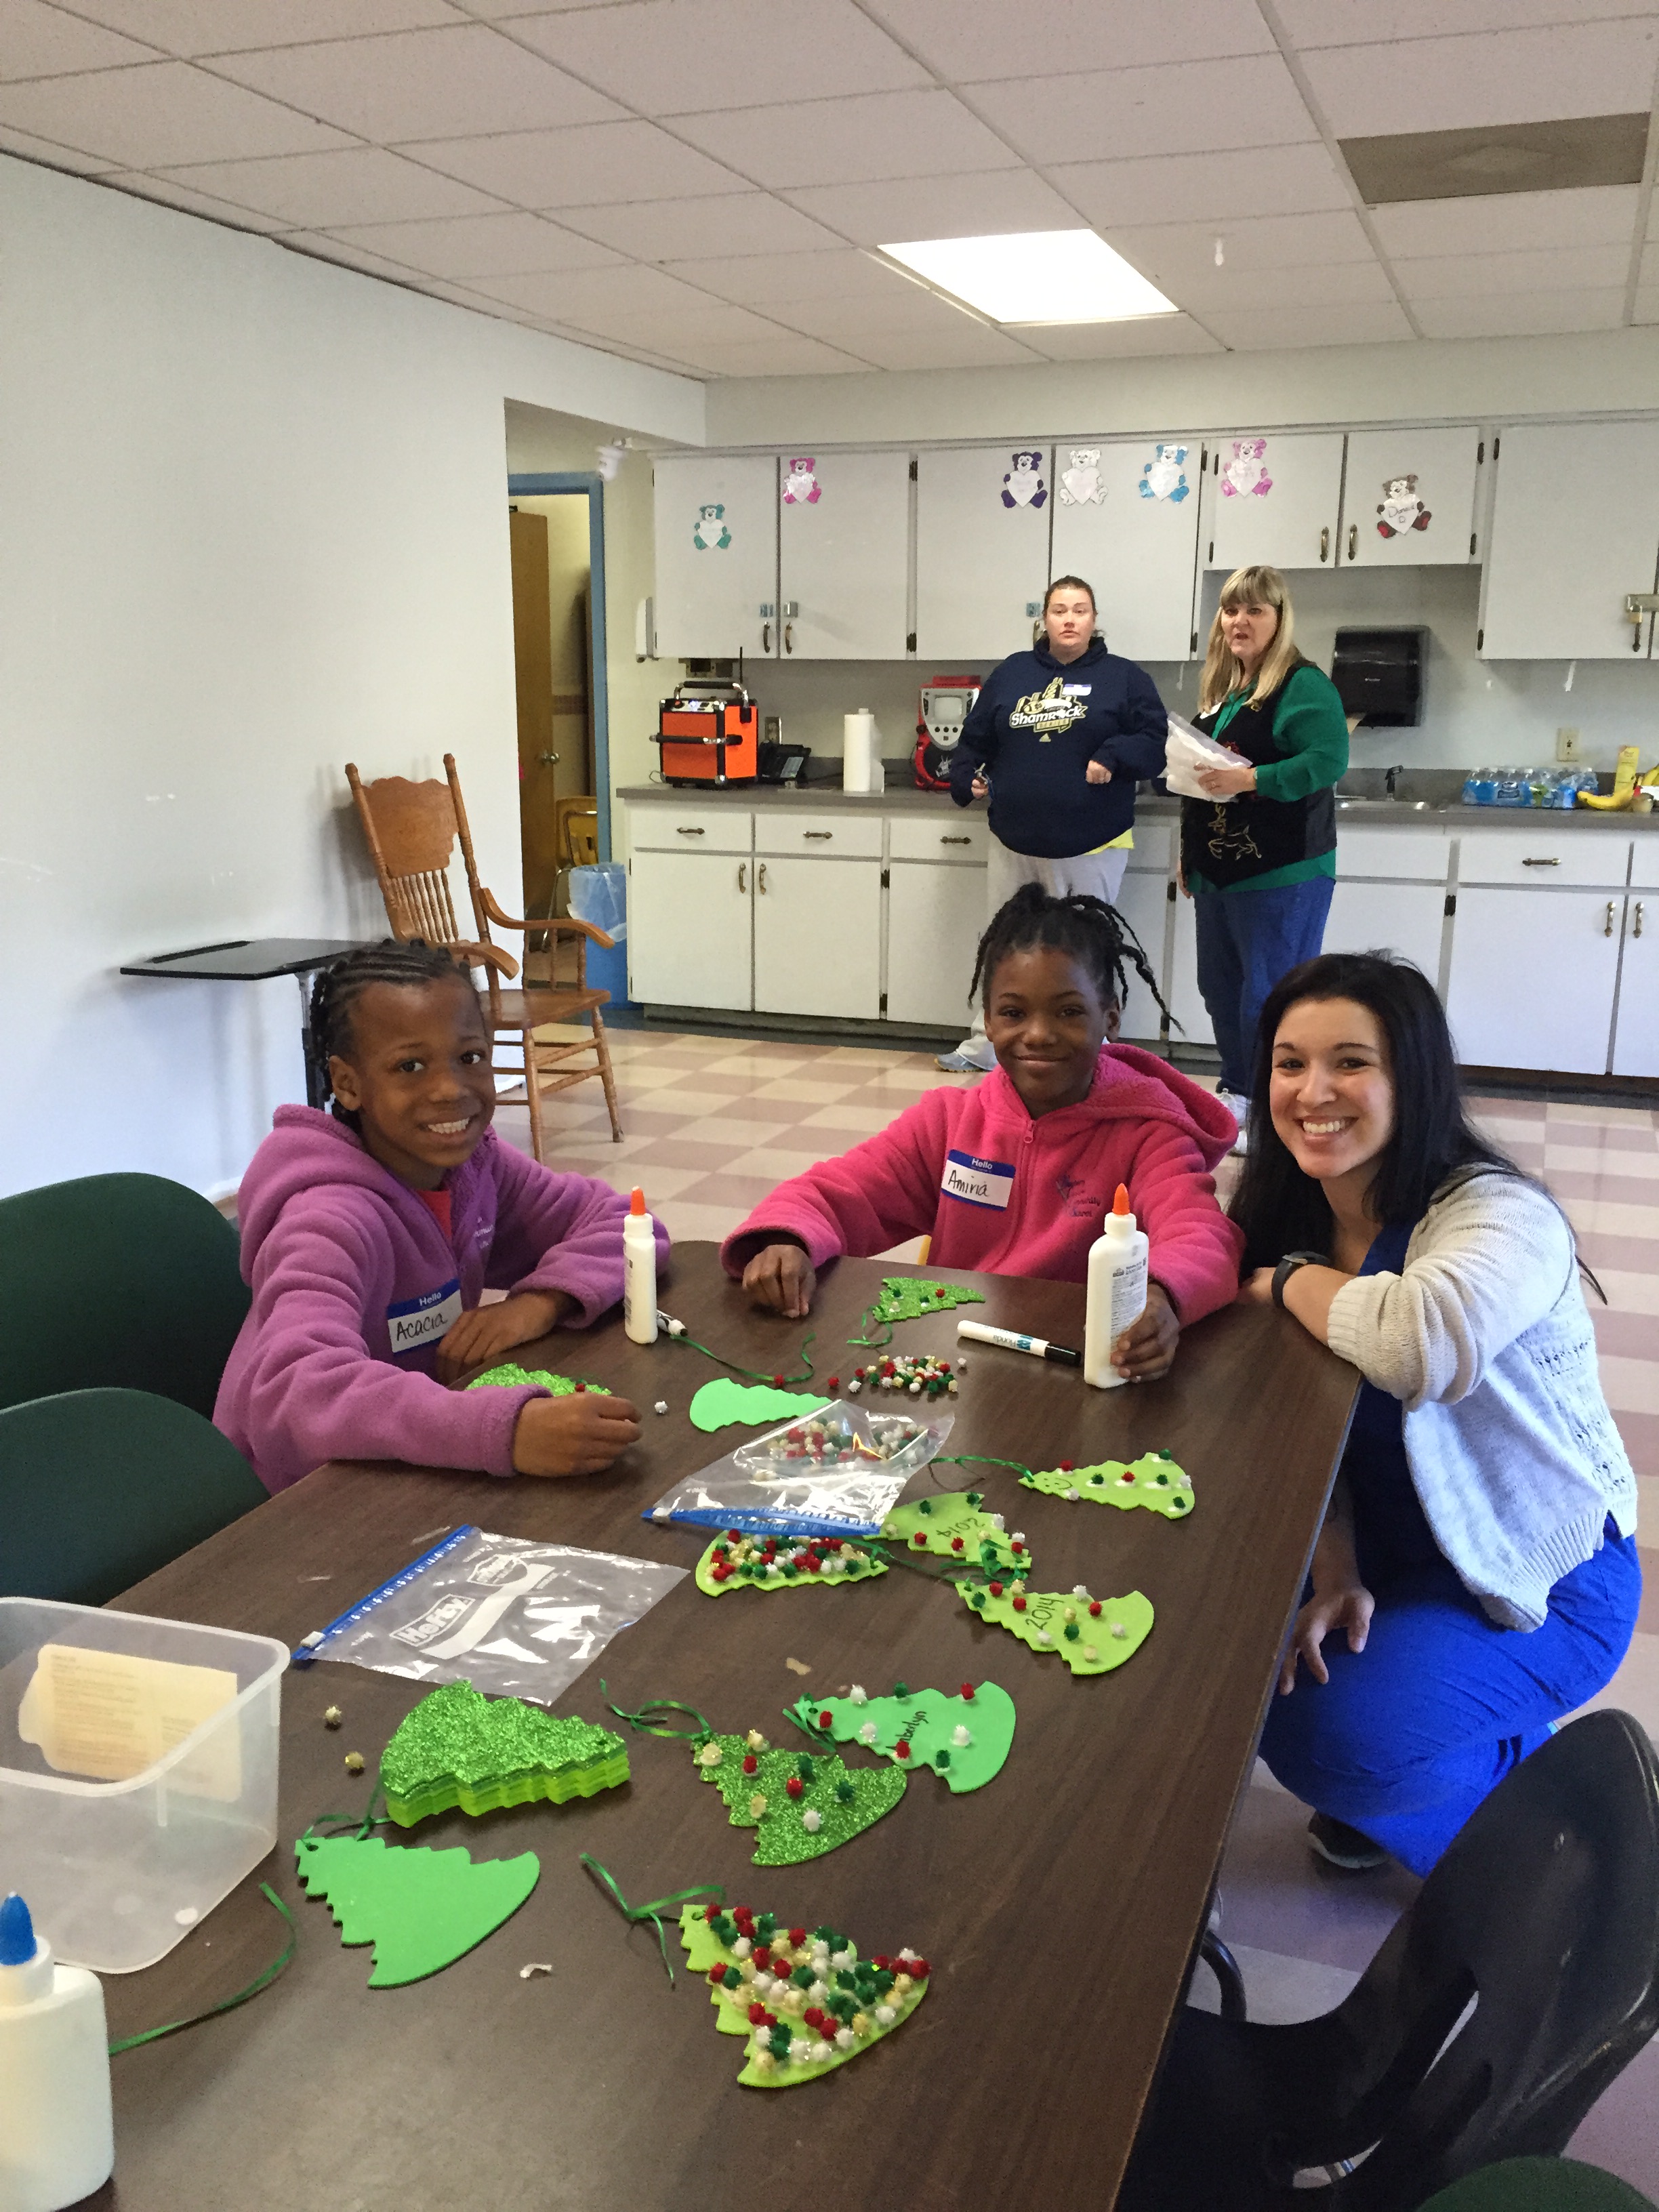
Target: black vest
1228 843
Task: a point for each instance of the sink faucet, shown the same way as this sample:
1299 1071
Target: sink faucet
1392 776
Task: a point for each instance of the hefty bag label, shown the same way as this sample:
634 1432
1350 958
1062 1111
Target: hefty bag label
423 1320
976 1182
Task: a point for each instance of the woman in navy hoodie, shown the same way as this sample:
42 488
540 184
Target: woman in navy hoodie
1058 738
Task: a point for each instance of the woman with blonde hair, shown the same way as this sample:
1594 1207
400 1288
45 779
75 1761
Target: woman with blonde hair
1258 856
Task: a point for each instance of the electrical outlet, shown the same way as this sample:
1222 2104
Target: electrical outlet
1566 746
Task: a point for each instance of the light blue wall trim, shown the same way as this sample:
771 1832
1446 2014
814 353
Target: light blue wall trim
574 480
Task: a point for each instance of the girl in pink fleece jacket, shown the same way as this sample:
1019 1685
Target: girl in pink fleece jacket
367 1235
1014 1176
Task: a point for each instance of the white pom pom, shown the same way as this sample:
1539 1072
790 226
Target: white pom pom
845 2039
742 1949
1077 1590
1072 1496
909 1956
867 1732
886 2015
812 1819
799 2052
816 1993
858 1695
960 1737
1119 1630
997 1522
841 1960
1019 1536
764 1984
821 2052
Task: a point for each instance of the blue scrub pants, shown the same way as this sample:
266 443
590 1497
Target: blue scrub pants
1410 1734
1246 941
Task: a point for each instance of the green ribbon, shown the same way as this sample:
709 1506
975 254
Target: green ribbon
659 1705
873 1343
754 1373
262 1981
658 1907
979 1459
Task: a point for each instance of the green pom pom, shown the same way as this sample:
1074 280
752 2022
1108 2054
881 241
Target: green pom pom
846 1979
925 1505
941 1758
843 1793
804 1767
803 1978
732 1978
1071 1632
901 1689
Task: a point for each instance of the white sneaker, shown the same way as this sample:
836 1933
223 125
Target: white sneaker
962 1061
1239 1108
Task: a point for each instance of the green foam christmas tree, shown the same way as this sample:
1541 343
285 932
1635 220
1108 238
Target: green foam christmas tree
509 1377
460 1748
907 1297
720 1403
803 1803
1092 1635
422 1910
803 1999
1153 1480
964 1738
735 1561
949 1524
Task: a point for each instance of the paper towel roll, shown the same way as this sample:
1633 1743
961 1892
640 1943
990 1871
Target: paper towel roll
859 757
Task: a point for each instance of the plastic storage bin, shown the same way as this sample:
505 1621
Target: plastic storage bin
137 1773
599 894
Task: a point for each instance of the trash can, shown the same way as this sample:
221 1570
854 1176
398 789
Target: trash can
599 894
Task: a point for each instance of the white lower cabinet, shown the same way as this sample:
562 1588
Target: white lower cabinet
1636 1035
817 938
688 928
1534 974
935 918
1408 919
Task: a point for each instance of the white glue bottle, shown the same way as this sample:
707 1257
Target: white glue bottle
1117 1291
639 1275
57 2136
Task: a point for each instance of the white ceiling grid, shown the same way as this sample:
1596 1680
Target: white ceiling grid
697 182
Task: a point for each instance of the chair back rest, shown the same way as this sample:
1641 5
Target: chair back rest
127 1280
100 1488
581 839
1544 1912
411 829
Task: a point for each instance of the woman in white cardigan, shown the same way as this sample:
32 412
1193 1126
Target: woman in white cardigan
1477 1577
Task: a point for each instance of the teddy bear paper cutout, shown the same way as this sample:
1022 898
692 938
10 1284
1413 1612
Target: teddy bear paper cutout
1401 508
1163 477
801 487
1245 476
711 534
1080 484
1023 486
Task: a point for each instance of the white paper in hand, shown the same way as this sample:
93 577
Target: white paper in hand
1188 750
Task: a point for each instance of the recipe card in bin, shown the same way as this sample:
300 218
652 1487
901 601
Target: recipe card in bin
838 1472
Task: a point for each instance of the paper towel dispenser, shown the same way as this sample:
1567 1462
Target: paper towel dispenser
1379 675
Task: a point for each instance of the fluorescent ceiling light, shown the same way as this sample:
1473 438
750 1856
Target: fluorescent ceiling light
1036 277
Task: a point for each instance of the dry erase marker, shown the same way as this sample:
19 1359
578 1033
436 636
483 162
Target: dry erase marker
1038 1346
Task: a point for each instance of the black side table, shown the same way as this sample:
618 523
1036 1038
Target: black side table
255 960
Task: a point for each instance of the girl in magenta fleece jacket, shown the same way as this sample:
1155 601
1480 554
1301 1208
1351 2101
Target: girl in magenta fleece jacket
367 1235
1014 1176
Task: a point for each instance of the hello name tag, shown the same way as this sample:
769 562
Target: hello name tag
976 1182
423 1320
1078 691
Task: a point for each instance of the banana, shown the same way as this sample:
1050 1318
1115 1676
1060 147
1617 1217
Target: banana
1609 805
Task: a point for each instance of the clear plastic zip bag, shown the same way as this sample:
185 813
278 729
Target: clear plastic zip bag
839 1471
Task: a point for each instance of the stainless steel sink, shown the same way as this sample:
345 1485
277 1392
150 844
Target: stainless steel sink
1383 806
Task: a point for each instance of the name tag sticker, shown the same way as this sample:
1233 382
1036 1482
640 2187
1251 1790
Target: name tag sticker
976 1182
422 1319
1078 691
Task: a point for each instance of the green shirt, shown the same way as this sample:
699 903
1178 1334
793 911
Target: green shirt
1310 724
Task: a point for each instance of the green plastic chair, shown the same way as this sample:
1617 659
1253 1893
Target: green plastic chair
99 1488
124 1282
1539 2184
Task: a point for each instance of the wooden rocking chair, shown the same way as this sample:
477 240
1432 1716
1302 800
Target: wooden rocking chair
411 829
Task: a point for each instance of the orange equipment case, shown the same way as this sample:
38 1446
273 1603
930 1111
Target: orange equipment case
709 734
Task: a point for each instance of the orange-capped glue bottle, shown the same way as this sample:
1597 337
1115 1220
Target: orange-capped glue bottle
1117 1291
640 1272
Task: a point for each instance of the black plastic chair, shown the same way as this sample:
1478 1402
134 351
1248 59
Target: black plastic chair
119 1281
99 1488
1540 1924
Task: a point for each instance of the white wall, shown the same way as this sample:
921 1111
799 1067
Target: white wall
254 526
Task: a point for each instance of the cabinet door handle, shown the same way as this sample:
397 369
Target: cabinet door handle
1607 927
689 833
1637 932
1353 541
1325 543
1552 863
955 841
743 875
760 880
766 637
789 637
813 835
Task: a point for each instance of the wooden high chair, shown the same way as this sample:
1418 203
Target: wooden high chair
411 829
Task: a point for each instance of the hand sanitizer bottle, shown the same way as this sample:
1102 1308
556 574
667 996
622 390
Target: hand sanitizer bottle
639 1272
57 2136
1117 1291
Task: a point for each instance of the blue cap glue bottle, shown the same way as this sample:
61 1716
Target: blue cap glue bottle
56 2133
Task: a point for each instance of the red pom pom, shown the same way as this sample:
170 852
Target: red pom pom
793 1785
996 1590
1065 1466
902 1750
920 1541
763 1958
1019 1605
834 1384
826 1720
812 2016
797 1937
734 1535
1094 1610
811 1563
1016 1546
750 1762
581 1386
968 1690
777 1382
956 1543
716 1975
743 1917
757 2016
882 1964
920 1970
710 1911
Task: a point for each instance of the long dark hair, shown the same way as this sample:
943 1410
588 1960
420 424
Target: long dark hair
1083 928
1282 1209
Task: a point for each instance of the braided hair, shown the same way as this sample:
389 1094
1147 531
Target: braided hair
339 986
1094 934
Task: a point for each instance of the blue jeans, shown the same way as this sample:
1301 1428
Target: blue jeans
1246 941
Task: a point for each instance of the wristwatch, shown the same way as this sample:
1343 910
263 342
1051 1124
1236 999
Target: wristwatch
1288 1265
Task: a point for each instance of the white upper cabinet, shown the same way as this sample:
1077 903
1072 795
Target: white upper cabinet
982 550
1272 500
717 555
1575 526
844 556
1409 498
1126 519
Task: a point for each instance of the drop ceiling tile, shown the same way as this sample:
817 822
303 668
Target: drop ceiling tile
856 140
690 57
334 192
218 27
1508 222
481 245
783 355
1148 335
589 166
1179 107
1184 250
1521 314
166 193
936 207
1367 22
678 230
1496 77
36 40
758 280
1551 268
1268 330
1648 270
968 39
158 115
1212 291
849 322
592 298
1647 304
971 346
316 246
1204 187
27 148
422 84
